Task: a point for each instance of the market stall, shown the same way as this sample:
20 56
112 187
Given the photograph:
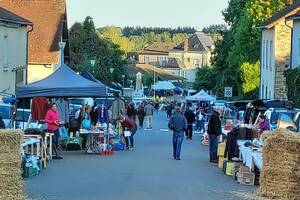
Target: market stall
201 96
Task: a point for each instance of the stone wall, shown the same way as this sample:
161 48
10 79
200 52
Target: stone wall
282 54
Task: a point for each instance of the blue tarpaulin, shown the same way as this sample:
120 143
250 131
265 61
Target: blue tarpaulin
64 82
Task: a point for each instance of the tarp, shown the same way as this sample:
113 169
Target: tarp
64 82
164 85
201 96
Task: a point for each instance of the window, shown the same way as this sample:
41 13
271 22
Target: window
267 54
299 52
20 78
162 61
263 54
262 91
5 52
197 63
270 55
147 59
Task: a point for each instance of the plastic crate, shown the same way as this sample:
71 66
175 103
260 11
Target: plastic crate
229 168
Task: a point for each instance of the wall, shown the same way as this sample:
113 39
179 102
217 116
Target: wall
282 54
296 44
37 72
16 51
267 81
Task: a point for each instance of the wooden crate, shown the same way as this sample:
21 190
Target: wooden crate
244 169
246 178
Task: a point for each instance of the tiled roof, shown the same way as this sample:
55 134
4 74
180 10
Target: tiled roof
197 42
158 48
284 12
9 17
47 17
149 69
174 63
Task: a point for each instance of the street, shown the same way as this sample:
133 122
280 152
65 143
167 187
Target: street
149 172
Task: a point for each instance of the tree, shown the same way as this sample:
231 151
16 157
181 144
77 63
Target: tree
250 78
85 44
215 29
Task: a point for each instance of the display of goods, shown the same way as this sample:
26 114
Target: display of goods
246 178
74 144
280 175
221 149
221 162
12 186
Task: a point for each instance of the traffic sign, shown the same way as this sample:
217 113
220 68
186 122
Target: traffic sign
228 92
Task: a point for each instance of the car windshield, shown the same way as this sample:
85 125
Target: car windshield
282 116
22 116
5 112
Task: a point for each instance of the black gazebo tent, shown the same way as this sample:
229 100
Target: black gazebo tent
64 82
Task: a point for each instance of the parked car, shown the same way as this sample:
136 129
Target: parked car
23 119
281 118
6 112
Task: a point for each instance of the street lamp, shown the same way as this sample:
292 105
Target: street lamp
123 80
93 62
107 107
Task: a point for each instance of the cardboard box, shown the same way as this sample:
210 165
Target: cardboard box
221 149
246 178
221 162
244 169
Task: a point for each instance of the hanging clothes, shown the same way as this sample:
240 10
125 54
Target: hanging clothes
118 108
102 115
39 108
63 109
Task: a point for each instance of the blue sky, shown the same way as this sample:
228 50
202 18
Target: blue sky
157 13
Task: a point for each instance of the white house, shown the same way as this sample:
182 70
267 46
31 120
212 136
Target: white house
276 53
13 51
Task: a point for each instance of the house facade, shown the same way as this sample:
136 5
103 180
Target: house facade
13 51
194 53
276 51
49 30
295 63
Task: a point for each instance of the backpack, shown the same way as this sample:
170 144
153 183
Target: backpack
86 122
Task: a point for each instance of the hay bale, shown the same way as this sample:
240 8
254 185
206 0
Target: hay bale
12 186
280 175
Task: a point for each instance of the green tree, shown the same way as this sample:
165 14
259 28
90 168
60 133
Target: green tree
250 78
85 44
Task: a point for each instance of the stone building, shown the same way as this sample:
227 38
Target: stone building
276 53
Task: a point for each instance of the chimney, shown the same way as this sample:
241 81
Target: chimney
186 44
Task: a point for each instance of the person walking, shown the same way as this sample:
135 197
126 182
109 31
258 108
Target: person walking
201 117
141 114
214 130
149 110
128 125
53 122
131 111
191 118
178 124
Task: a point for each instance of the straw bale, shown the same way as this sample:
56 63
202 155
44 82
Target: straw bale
280 175
12 186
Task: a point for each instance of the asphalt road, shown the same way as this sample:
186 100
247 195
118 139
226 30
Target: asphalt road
147 173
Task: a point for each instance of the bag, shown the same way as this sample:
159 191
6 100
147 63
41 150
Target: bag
86 123
63 132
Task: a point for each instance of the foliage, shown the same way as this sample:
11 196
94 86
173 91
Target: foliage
293 85
206 73
138 42
131 31
250 79
215 29
238 53
85 45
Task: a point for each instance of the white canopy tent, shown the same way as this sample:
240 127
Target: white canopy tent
164 85
201 96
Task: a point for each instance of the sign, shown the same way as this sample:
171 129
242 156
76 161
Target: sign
228 92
